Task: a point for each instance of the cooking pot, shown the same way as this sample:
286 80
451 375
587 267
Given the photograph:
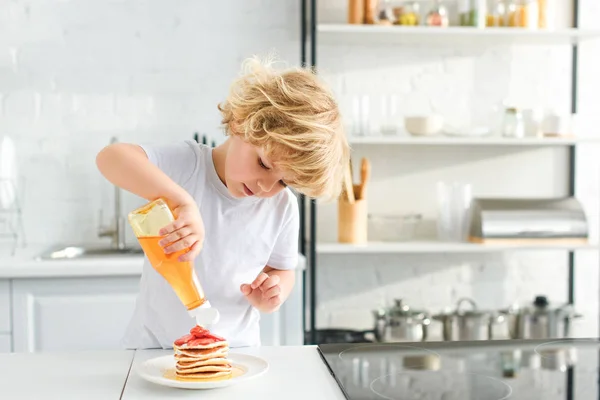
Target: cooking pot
400 323
334 335
471 324
540 320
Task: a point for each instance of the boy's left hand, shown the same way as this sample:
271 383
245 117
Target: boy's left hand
264 293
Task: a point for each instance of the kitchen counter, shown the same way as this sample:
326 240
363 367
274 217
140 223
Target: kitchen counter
64 376
295 372
25 265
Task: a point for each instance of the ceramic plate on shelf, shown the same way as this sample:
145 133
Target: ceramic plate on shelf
467 133
160 370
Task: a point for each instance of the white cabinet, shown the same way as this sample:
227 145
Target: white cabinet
4 306
67 314
5 343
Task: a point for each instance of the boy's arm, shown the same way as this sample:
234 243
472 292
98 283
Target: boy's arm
127 166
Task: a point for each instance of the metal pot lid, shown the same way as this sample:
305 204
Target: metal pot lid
541 306
468 313
400 309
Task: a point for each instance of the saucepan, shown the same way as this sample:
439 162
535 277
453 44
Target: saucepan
401 323
470 324
540 320
333 335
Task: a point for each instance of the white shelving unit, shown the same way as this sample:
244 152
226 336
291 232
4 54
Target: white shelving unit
468 141
417 35
388 38
433 247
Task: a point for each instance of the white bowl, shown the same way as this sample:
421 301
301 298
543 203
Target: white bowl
424 125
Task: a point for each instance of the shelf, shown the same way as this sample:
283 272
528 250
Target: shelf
469 141
437 247
451 35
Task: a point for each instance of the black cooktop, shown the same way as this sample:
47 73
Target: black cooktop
483 370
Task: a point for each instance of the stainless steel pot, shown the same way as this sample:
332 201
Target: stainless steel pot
468 324
540 320
400 323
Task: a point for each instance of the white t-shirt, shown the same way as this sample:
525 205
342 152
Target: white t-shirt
242 237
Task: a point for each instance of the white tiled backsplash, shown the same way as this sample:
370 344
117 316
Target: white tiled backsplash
73 74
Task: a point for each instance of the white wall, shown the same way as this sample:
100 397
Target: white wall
73 74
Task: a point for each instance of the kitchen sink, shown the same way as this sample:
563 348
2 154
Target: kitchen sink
79 252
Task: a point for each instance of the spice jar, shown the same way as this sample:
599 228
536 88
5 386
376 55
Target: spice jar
512 125
410 14
385 14
370 11
438 15
472 13
523 14
496 15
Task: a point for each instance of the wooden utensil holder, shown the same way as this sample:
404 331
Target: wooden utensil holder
352 221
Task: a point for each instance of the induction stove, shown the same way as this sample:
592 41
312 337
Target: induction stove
480 370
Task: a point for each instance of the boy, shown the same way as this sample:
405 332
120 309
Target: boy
233 207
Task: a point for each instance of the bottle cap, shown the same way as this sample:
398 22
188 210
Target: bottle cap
205 314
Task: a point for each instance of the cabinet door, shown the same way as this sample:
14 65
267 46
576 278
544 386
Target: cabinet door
5 343
4 306
71 314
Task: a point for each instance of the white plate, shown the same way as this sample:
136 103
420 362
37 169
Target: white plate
153 370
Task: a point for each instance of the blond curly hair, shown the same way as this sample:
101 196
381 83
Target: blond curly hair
295 119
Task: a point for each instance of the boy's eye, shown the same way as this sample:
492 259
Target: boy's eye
260 162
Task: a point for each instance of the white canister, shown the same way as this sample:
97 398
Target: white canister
557 125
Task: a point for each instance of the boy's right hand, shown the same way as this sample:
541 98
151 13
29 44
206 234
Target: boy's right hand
187 231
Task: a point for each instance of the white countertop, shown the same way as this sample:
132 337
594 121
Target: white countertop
25 265
64 376
295 372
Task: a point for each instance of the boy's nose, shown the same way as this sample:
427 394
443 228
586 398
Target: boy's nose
266 184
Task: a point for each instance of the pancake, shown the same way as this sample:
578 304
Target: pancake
201 355
205 375
213 361
204 368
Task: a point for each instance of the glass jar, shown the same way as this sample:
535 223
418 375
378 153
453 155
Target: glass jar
410 14
472 13
385 13
513 125
496 16
546 14
438 15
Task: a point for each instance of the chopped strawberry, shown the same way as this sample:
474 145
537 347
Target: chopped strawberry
198 336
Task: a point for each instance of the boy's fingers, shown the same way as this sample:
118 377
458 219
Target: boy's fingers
173 226
272 292
274 301
193 253
246 289
273 280
259 280
181 244
175 236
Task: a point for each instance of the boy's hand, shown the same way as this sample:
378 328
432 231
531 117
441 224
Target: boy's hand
187 231
264 293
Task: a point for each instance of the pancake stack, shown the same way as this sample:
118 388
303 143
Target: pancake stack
202 355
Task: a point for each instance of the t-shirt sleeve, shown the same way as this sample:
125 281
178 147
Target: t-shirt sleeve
179 161
285 251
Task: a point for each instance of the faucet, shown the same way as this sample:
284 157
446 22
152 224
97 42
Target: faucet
116 229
